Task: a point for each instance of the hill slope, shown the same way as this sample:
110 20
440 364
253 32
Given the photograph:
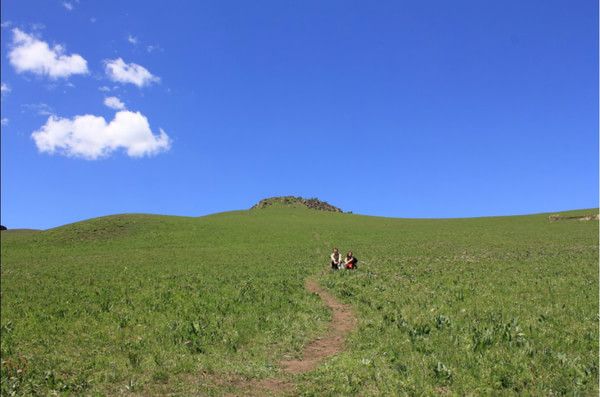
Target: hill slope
156 304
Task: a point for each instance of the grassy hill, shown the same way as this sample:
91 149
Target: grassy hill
148 304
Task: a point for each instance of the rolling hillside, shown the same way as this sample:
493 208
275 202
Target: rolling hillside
145 304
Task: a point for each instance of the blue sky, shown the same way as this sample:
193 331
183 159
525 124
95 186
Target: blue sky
392 108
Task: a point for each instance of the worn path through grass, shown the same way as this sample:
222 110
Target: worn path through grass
343 321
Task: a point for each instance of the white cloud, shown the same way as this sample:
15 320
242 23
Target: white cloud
118 70
30 54
91 137
41 109
114 103
104 88
5 89
132 39
38 26
68 6
4 121
153 47
6 24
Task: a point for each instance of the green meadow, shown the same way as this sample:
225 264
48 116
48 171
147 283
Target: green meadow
153 305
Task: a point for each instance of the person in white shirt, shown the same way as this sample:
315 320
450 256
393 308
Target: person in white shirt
336 259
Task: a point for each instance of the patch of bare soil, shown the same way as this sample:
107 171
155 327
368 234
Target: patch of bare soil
590 217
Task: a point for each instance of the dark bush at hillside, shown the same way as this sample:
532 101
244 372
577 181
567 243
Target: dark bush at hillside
312 203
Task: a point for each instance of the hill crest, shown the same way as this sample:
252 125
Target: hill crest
293 201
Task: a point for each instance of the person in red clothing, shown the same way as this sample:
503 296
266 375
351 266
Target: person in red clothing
350 261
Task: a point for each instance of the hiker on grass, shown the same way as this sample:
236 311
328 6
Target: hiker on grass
350 261
336 259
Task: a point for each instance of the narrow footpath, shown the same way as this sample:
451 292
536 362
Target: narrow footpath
342 322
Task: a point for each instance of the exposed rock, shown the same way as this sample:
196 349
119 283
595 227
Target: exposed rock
589 217
312 203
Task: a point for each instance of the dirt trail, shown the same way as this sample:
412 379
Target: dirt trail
342 322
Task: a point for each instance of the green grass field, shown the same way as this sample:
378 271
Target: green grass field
146 304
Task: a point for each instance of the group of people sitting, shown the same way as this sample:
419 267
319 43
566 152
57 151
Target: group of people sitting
338 261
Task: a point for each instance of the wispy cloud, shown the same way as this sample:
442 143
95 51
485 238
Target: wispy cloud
114 103
92 137
153 47
4 121
68 5
132 39
41 109
37 26
119 71
5 24
5 89
30 54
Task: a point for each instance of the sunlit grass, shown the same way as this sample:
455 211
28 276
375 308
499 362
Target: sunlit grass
138 303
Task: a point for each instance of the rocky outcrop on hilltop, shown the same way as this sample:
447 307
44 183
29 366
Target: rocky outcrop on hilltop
292 201
589 217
